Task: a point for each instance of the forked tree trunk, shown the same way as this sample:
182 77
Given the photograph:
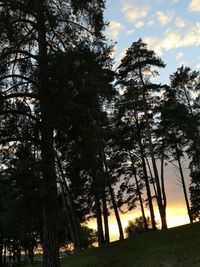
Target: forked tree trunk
114 204
112 195
50 227
158 188
74 223
151 176
142 158
68 217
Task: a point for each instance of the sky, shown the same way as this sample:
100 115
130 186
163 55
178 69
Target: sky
170 27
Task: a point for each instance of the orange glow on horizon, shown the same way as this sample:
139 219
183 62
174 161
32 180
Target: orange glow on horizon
175 216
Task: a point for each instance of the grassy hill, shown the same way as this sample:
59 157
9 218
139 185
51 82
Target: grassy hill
175 247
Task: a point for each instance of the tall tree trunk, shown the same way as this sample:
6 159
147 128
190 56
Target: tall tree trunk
1 251
152 178
159 195
142 158
68 217
5 253
99 220
163 185
139 193
112 195
50 227
105 216
73 220
183 184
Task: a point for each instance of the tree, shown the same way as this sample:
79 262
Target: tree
137 226
135 71
185 84
31 32
172 131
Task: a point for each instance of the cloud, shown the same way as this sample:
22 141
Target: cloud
150 22
173 39
180 23
114 29
179 55
163 17
194 6
139 24
198 66
133 11
154 43
129 32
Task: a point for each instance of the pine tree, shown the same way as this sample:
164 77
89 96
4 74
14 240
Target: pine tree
135 70
31 32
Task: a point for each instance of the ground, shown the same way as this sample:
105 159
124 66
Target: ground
175 247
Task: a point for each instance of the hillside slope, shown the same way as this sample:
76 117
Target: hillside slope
175 247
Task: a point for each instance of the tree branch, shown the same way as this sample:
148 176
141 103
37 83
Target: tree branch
30 95
17 76
18 139
18 112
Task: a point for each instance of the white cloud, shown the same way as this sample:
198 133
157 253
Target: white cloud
163 17
198 66
139 24
150 22
179 55
133 11
180 23
129 32
194 6
173 39
154 43
122 53
114 29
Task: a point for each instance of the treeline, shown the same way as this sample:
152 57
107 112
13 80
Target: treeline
68 137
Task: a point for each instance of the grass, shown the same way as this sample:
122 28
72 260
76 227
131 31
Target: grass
175 247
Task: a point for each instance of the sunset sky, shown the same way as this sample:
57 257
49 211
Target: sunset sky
172 29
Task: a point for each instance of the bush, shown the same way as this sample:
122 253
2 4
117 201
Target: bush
137 226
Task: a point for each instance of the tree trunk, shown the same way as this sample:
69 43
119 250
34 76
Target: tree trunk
70 212
50 227
112 195
1 252
105 216
142 158
163 188
139 193
4 254
158 188
152 178
99 220
68 217
183 184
